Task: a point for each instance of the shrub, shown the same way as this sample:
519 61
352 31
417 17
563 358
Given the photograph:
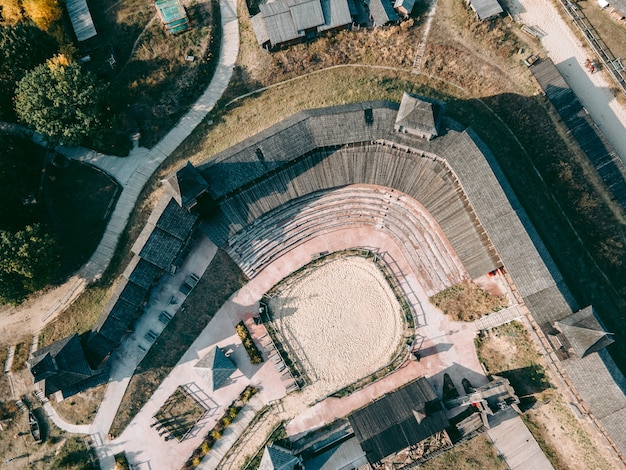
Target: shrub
253 352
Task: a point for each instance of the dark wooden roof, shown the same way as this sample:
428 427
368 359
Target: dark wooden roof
130 292
60 364
399 420
176 221
141 272
582 332
215 367
161 248
382 12
417 113
98 347
186 185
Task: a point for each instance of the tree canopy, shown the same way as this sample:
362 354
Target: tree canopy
28 261
61 101
22 47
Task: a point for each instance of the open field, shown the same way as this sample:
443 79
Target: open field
221 280
508 351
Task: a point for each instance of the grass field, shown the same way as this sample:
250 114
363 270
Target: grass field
222 278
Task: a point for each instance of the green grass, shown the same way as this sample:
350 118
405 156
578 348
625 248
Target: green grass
221 279
73 455
179 413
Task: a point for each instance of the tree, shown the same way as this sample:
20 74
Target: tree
61 101
22 47
11 11
44 13
28 261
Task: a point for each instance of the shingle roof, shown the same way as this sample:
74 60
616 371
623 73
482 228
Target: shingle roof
99 347
275 458
382 12
186 185
398 420
306 13
336 14
486 9
60 364
215 368
416 113
161 248
142 272
583 333
176 221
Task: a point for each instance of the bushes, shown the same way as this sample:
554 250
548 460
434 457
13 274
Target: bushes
246 339
218 430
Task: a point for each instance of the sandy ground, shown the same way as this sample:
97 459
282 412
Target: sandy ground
569 55
341 320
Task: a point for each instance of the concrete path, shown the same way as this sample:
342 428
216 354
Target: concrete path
515 443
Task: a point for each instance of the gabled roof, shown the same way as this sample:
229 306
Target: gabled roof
61 364
215 368
81 19
99 347
582 332
186 185
399 420
486 9
336 14
416 113
275 458
306 13
382 12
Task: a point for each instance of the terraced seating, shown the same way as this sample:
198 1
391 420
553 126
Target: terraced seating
424 179
298 221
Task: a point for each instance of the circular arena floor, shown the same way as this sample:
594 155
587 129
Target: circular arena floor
341 321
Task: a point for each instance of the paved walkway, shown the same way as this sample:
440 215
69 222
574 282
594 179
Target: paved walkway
515 443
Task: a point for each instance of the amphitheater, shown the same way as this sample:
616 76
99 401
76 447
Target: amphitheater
421 180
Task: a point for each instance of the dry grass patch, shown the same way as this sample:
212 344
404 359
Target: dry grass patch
82 407
221 279
467 301
22 351
478 453
508 351
179 413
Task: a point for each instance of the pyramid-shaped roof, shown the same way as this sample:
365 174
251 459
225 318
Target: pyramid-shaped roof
186 185
275 458
582 332
215 368
418 116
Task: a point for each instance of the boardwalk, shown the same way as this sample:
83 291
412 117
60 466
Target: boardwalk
599 151
498 318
